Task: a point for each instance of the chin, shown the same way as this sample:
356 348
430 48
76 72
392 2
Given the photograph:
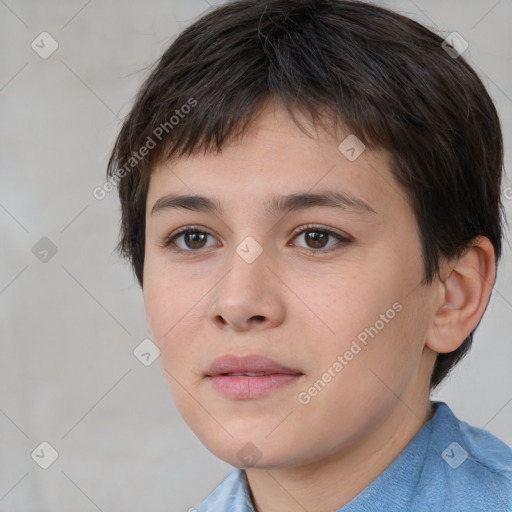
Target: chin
252 450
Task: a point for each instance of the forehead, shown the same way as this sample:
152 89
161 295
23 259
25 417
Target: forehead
275 158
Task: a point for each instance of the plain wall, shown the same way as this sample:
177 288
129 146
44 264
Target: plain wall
69 325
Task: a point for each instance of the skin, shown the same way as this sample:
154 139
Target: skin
303 310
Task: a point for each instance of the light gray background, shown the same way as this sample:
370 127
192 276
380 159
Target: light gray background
69 326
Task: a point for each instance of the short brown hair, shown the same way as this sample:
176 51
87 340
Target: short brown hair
383 76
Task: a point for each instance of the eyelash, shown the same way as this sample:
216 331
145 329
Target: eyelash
169 241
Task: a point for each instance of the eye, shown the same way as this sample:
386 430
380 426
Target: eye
192 239
317 238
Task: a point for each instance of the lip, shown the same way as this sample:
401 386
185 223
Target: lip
276 376
253 363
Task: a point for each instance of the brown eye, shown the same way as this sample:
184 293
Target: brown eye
195 239
187 240
317 239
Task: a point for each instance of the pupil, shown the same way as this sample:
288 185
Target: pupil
195 240
189 240
317 239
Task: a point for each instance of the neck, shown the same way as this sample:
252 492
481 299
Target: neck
329 484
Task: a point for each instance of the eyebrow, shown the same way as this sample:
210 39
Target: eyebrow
276 205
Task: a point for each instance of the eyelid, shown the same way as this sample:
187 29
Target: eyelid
342 239
185 229
330 231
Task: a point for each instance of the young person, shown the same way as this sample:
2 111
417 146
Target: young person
310 197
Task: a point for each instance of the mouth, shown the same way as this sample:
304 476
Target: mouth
249 377
247 374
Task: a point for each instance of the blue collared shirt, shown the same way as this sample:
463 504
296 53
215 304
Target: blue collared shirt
448 466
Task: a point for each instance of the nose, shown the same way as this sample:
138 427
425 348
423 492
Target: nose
249 296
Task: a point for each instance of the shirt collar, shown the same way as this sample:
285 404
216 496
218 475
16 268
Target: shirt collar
393 488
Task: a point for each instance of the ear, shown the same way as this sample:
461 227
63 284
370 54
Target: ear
465 286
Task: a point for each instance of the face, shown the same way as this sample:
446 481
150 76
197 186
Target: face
287 306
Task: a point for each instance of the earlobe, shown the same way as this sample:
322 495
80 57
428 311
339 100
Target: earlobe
464 290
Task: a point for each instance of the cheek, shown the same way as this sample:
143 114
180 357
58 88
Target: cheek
170 318
374 323
351 304
358 382
160 309
167 298
176 312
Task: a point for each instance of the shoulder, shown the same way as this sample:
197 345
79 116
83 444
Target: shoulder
467 468
231 494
